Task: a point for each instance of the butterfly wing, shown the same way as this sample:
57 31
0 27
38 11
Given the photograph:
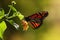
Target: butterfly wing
35 20
36 24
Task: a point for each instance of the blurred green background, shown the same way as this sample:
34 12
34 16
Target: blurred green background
50 30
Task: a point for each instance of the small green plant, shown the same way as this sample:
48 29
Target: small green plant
6 18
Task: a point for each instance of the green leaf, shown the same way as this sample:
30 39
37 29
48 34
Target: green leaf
1 14
12 8
2 28
20 16
11 22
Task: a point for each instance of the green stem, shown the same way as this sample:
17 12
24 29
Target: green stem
10 17
9 11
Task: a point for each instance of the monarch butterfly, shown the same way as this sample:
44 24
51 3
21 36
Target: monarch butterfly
37 19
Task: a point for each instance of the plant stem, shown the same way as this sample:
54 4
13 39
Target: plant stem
9 11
